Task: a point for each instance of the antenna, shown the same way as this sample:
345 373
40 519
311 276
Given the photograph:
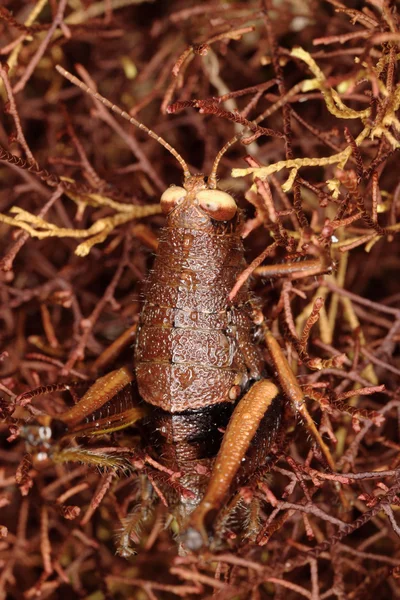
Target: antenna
126 116
212 180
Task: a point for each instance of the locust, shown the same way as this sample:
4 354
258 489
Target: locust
208 408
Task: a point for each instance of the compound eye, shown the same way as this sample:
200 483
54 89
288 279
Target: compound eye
172 197
45 433
218 205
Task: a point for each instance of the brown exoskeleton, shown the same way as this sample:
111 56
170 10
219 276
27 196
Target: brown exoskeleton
197 367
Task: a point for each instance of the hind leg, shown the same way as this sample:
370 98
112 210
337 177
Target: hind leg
261 400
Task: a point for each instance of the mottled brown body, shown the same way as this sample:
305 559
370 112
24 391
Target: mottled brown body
207 409
192 346
195 354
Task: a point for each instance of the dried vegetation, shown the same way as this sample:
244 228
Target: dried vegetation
315 88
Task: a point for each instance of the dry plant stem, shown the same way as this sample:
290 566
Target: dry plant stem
103 486
311 320
45 541
9 47
72 492
14 113
341 39
381 505
364 301
48 360
48 327
181 591
6 262
212 108
264 191
378 362
196 577
93 177
50 178
114 349
285 110
42 47
36 10
350 199
147 167
20 539
202 48
88 324
250 90
6 16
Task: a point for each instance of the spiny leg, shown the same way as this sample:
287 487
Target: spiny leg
249 508
241 429
133 522
101 460
293 268
101 392
113 387
295 395
106 407
285 375
296 268
292 389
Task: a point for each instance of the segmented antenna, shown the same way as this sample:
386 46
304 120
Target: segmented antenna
212 180
126 116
